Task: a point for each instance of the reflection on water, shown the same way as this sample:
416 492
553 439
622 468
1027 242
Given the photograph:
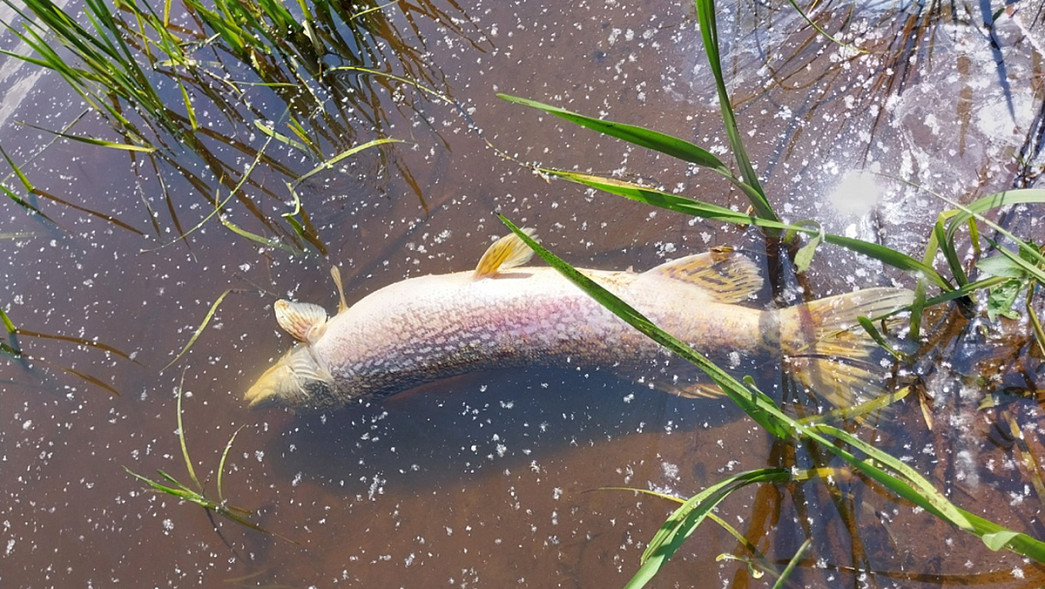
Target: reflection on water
494 479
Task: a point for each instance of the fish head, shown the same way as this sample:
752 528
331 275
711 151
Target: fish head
298 380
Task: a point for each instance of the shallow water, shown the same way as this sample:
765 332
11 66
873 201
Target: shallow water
496 479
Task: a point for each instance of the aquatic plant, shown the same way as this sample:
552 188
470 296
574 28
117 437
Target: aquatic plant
878 465
197 494
1012 270
149 70
12 349
151 74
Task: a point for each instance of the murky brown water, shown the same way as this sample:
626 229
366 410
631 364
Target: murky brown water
494 479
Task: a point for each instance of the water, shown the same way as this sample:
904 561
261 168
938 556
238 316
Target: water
496 479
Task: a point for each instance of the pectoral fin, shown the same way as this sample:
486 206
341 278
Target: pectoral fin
507 252
728 276
304 321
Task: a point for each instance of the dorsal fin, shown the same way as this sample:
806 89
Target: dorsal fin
507 252
728 276
304 321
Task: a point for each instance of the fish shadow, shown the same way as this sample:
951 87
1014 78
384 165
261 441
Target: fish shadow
462 427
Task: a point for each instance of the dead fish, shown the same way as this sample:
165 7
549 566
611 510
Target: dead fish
506 314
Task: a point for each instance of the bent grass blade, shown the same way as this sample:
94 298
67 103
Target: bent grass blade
705 210
684 520
820 30
198 494
709 33
657 141
878 465
199 330
303 228
330 163
13 349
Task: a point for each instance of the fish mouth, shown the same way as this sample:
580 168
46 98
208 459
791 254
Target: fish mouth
260 398
266 391
295 380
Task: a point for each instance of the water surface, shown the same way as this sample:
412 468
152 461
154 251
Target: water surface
496 479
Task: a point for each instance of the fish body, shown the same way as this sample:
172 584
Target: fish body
432 327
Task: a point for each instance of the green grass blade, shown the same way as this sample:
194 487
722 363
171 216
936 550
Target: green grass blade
8 324
993 201
179 492
424 89
666 200
181 438
95 141
684 521
11 351
877 336
199 330
709 33
913 486
18 172
688 206
790 568
260 239
950 253
649 492
330 163
876 404
188 106
891 257
648 138
822 31
221 463
267 130
675 525
24 203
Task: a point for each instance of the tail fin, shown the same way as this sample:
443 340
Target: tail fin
828 351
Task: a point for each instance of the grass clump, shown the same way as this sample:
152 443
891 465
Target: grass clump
303 75
196 494
1014 269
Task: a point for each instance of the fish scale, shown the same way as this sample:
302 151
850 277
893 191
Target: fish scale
503 314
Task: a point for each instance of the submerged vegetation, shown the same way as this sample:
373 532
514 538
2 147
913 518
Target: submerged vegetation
187 87
197 83
197 494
